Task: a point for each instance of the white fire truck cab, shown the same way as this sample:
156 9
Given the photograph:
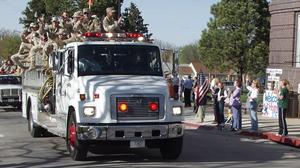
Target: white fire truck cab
108 90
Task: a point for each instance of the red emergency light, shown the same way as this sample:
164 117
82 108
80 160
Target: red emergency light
128 36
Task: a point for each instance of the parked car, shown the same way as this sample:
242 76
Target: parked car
10 91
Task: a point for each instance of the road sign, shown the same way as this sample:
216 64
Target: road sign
274 71
273 78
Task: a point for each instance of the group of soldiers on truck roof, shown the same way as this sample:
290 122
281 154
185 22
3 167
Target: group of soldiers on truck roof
39 41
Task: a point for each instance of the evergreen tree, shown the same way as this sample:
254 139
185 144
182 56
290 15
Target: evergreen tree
34 8
237 37
134 22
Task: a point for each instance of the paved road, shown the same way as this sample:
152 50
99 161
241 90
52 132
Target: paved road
202 148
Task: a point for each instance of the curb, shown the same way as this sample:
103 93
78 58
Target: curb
285 140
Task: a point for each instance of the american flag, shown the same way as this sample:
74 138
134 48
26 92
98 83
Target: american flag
202 88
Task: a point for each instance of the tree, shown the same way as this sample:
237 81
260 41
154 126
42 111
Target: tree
134 22
189 53
9 43
167 50
34 8
237 37
49 8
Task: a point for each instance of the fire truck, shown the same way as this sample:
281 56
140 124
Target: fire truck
106 90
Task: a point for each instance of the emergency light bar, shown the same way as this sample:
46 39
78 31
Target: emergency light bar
114 36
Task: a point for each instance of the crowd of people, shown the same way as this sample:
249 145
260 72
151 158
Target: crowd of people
42 37
231 98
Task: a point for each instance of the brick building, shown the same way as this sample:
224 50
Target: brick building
285 39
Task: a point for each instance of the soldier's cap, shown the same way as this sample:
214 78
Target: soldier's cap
33 25
77 14
54 19
110 9
85 10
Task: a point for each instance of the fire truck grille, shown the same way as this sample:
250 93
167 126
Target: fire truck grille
137 108
10 92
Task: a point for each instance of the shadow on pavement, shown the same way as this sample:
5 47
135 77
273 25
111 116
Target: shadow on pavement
199 146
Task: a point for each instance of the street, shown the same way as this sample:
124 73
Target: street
202 148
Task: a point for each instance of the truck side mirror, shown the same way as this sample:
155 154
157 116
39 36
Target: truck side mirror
53 61
70 68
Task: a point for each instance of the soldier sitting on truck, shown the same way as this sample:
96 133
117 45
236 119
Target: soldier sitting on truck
90 24
110 25
78 29
52 32
66 22
38 41
23 52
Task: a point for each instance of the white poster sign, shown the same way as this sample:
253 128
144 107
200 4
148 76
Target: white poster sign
274 78
274 71
270 108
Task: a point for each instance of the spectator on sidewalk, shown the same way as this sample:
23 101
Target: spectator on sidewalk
171 88
188 85
175 81
252 104
201 89
181 87
222 95
282 107
214 92
236 106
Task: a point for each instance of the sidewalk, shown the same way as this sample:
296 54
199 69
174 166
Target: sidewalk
268 127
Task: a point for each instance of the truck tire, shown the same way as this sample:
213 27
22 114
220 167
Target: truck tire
77 149
33 128
171 148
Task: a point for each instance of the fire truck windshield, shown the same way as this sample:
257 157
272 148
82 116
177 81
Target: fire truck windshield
119 60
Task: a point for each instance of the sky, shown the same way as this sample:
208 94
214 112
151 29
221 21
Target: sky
179 22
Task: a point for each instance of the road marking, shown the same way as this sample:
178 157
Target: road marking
1 135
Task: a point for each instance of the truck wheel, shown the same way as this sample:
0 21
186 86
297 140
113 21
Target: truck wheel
171 148
33 128
77 149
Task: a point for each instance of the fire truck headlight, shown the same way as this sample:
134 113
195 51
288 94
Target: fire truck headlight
177 111
89 111
141 39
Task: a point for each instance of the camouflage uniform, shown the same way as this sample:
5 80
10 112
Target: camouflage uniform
60 40
90 24
66 24
36 39
78 28
23 52
49 43
109 23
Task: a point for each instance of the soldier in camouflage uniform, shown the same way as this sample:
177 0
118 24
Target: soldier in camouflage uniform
66 23
78 28
110 25
90 24
49 40
24 49
37 40
62 36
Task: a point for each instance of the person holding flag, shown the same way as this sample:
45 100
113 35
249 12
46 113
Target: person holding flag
201 89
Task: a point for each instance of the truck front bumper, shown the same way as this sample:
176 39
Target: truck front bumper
130 132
